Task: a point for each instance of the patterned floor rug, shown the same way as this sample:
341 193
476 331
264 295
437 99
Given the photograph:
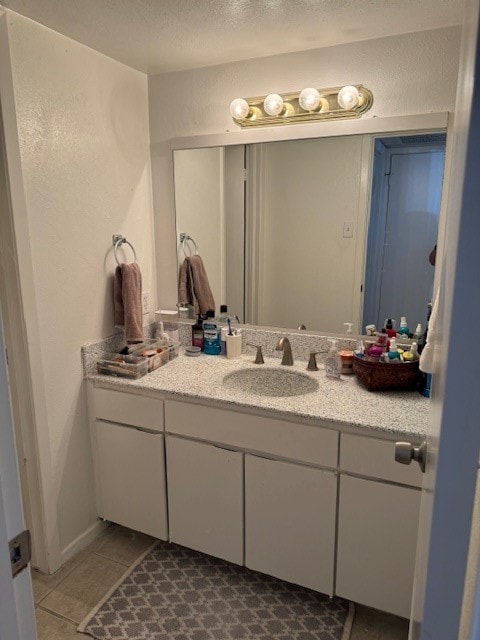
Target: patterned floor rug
174 593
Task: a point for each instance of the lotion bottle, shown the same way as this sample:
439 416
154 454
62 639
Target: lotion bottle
332 362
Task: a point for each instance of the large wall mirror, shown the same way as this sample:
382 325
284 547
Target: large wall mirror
316 232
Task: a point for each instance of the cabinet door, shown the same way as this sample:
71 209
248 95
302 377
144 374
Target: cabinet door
377 537
205 498
290 522
131 474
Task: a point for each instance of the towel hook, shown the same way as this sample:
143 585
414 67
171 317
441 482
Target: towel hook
184 238
117 241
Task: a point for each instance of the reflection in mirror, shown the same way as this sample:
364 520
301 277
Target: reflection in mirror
288 236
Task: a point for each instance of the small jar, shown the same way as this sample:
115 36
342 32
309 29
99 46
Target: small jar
346 360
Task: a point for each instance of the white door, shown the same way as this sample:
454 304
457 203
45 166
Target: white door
454 441
17 619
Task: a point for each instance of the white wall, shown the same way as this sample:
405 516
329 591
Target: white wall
408 74
82 122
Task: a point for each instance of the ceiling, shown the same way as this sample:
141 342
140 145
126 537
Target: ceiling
159 36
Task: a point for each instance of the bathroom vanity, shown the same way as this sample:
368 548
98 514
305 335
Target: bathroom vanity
304 488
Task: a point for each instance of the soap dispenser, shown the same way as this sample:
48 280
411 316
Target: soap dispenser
332 362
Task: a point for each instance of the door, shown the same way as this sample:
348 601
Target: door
205 498
454 440
131 469
17 619
406 196
377 534
290 513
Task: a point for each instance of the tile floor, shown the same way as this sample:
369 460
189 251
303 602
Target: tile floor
63 599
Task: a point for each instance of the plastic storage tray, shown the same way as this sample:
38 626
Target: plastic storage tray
122 366
157 354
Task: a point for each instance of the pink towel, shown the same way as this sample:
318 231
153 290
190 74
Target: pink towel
193 285
127 299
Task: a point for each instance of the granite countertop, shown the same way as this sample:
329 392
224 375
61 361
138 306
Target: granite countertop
340 403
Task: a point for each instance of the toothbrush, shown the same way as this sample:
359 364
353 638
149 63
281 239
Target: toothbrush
230 332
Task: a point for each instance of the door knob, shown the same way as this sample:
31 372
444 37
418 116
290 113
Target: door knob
405 452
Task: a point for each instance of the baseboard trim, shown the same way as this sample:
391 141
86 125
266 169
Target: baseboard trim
83 540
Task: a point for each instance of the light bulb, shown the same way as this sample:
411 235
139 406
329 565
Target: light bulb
239 108
309 99
273 104
348 97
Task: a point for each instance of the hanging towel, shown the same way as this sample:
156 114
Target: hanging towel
427 359
127 298
193 285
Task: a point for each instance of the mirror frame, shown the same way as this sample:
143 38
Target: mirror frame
394 125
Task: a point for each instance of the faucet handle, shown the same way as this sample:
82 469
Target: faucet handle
312 362
259 357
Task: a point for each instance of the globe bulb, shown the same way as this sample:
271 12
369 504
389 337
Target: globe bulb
273 104
348 97
309 99
239 108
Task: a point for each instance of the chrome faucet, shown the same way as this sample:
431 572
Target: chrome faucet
284 344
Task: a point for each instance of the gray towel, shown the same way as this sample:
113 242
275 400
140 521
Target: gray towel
127 298
193 285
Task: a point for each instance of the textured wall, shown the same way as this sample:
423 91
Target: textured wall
84 142
408 74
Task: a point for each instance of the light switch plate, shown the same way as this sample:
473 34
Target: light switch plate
347 230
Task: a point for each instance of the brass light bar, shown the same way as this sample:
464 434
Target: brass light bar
350 101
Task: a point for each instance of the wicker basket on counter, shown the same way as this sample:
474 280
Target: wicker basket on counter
384 376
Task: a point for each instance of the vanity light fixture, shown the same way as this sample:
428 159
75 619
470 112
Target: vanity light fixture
310 104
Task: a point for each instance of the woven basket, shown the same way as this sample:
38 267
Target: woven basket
383 376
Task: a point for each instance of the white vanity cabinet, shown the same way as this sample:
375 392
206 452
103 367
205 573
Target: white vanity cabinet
290 514
205 498
319 507
289 501
377 525
129 460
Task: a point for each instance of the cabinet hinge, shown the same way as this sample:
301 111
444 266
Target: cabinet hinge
20 552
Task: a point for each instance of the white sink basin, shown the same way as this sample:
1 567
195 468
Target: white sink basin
267 381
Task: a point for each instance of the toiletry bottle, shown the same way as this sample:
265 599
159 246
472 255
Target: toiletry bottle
224 316
418 332
412 354
332 362
393 354
197 333
389 328
211 335
404 330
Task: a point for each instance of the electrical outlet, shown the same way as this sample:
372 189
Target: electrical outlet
145 302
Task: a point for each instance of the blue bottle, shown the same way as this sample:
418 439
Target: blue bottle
211 336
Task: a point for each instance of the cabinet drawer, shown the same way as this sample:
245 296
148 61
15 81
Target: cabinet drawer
375 458
128 408
300 442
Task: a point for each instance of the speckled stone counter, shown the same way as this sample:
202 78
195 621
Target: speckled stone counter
342 404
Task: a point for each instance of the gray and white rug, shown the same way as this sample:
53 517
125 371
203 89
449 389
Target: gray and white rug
174 593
